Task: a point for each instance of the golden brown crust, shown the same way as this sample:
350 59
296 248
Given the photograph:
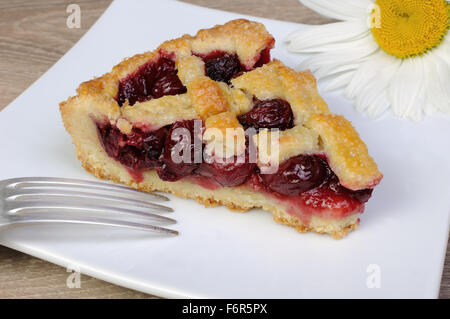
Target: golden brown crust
245 38
347 154
297 224
275 80
222 122
207 97
224 135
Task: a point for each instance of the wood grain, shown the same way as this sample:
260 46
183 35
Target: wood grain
33 36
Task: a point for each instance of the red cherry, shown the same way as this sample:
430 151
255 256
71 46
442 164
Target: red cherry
361 196
297 175
168 84
231 173
152 80
111 138
222 68
268 114
138 150
170 170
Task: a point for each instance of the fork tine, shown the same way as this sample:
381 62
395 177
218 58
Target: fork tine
35 194
25 182
28 207
94 221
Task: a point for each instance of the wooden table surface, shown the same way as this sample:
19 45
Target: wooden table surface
33 36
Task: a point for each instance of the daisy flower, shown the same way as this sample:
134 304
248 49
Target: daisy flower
384 53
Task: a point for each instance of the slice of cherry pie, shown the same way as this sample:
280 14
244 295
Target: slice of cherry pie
212 118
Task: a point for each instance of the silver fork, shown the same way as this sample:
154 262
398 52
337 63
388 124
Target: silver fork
36 200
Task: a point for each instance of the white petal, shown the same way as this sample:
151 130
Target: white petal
437 79
378 106
340 9
369 84
338 81
406 90
338 46
372 77
351 53
312 38
334 69
372 98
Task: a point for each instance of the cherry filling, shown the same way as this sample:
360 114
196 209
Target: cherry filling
221 66
270 114
361 196
303 173
142 150
308 182
297 175
151 81
137 151
228 173
178 159
304 181
264 57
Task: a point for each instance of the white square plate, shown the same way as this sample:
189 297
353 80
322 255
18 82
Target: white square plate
404 230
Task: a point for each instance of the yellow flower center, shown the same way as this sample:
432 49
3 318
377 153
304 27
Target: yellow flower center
406 28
